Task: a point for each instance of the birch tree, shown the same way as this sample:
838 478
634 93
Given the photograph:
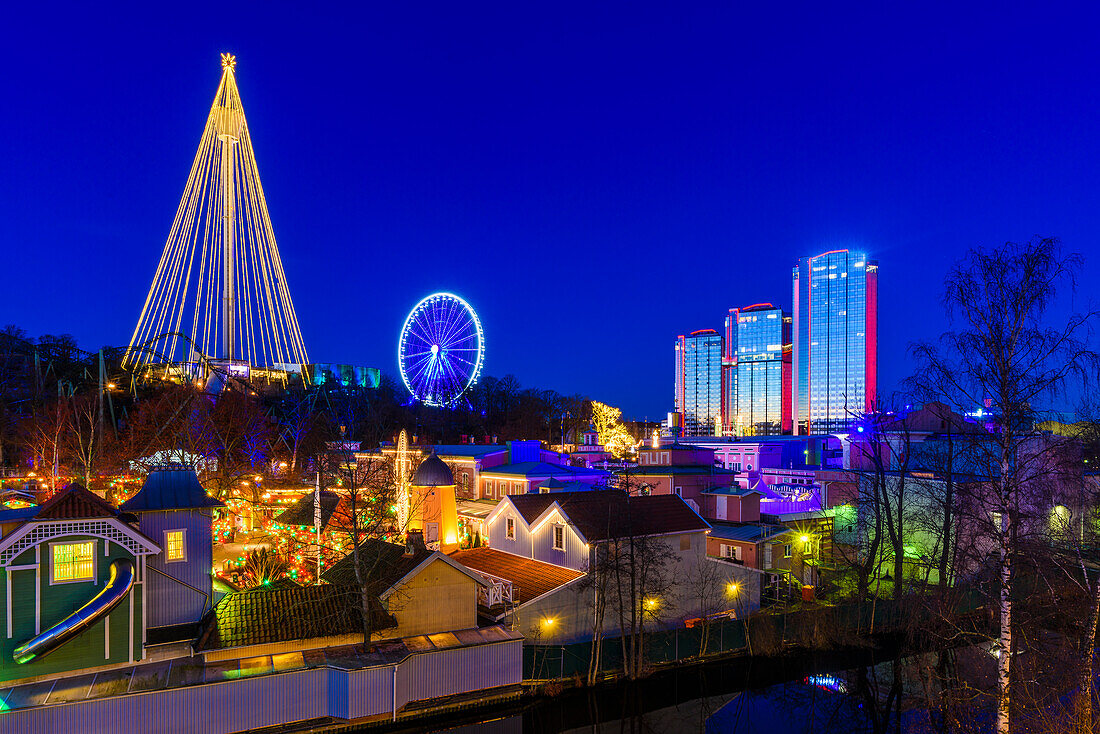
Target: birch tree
1009 356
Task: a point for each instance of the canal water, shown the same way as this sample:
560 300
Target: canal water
864 691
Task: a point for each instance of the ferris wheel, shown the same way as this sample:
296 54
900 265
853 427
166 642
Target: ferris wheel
441 349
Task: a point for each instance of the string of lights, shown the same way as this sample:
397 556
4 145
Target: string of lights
220 277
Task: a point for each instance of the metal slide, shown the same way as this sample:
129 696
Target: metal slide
118 585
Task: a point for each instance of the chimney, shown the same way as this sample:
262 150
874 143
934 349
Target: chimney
414 542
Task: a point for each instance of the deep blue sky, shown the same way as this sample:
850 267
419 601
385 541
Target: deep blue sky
595 180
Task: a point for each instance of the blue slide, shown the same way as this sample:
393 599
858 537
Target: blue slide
118 585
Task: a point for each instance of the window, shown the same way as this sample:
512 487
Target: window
73 562
466 481
559 537
174 547
787 550
731 551
510 528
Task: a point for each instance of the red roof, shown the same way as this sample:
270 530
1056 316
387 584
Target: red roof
530 578
75 502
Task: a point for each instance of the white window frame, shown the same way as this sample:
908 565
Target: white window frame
509 528
95 562
559 532
183 545
788 549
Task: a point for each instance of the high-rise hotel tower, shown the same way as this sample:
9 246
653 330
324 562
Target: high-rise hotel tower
835 353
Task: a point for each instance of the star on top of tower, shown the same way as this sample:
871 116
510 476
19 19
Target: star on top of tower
229 61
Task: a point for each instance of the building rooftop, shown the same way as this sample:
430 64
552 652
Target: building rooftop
467 450
383 564
282 613
748 532
170 488
680 469
72 503
530 578
476 508
733 491
432 472
540 469
605 514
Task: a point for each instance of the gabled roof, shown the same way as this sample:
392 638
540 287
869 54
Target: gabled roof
530 578
300 512
174 487
606 514
385 566
280 613
74 502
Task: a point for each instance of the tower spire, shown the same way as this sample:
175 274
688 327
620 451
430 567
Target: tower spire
219 289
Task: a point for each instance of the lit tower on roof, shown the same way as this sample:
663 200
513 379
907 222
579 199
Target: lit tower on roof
219 289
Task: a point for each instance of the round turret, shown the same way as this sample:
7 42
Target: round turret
432 472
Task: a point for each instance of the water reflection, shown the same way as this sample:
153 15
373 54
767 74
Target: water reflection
852 694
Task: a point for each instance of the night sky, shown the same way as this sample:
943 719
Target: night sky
594 179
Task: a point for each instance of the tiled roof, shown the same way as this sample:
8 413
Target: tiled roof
301 511
748 532
282 613
170 488
75 502
602 514
530 578
383 565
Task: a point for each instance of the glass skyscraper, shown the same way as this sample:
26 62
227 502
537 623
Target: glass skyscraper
699 381
763 377
835 350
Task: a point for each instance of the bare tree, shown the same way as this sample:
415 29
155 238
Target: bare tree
1003 355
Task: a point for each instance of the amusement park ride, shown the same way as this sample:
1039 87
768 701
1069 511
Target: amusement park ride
441 350
219 290
219 301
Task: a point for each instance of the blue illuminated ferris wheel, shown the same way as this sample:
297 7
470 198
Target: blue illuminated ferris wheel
441 349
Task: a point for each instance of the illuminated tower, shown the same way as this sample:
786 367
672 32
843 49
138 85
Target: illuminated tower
219 289
763 371
835 354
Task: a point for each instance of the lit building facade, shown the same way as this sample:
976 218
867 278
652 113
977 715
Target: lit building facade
834 357
761 372
699 383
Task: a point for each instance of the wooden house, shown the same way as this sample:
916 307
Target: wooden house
74 593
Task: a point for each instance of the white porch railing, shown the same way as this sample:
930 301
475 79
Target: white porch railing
498 591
